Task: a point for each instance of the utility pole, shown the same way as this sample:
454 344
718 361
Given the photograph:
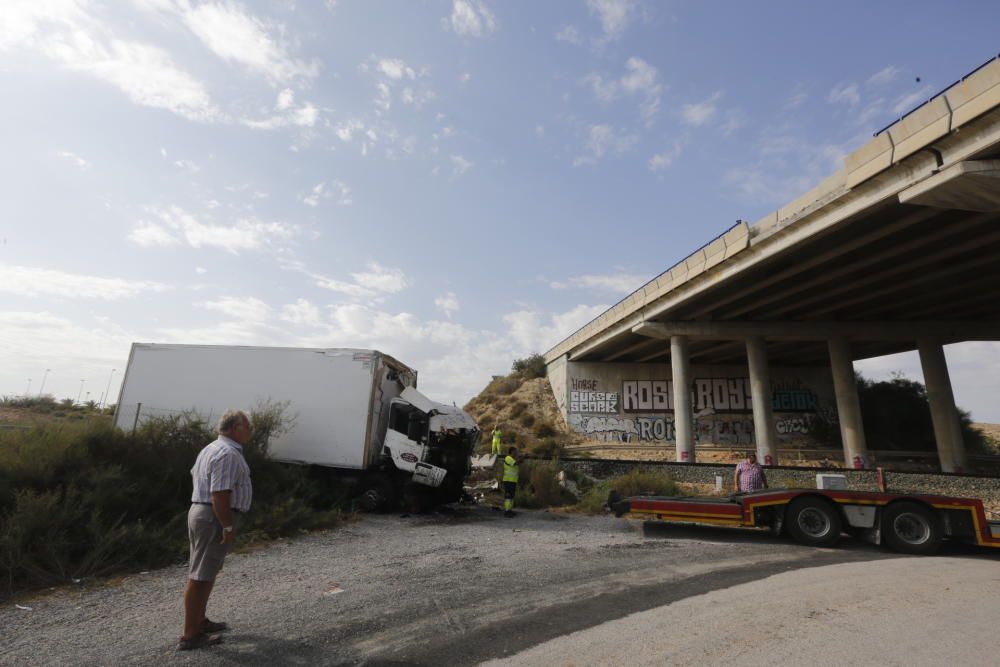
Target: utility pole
80 393
42 387
104 399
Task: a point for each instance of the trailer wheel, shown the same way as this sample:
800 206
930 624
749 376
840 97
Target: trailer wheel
813 522
911 528
377 496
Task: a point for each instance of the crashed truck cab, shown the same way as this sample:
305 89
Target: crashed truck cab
430 443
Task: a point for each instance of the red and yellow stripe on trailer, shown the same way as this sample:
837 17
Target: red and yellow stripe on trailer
723 514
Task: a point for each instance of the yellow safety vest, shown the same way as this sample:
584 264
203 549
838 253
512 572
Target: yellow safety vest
510 469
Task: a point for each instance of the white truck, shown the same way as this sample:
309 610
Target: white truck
356 413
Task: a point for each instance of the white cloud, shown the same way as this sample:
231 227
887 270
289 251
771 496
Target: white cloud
843 93
237 36
640 79
75 159
336 190
471 17
345 131
569 33
146 74
286 99
797 99
373 283
302 313
533 331
177 225
702 112
150 235
243 309
665 159
616 283
32 281
907 102
448 303
788 166
884 76
460 165
395 68
614 15
604 139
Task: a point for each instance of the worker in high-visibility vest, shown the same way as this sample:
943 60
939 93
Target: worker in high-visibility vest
510 481
496 440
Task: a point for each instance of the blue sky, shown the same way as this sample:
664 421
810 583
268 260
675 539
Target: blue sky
457 183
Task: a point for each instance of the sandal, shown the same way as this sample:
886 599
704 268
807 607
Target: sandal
199 641
210 627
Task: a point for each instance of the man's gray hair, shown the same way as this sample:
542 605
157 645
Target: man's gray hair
230 419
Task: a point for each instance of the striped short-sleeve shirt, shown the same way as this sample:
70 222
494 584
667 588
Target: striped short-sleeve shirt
220 466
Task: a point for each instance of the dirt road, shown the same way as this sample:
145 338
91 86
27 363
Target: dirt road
444 589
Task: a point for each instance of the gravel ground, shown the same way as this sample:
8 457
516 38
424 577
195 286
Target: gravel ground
448 588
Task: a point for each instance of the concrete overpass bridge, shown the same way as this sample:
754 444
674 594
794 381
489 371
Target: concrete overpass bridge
897 251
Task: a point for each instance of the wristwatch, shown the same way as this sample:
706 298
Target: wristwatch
227 529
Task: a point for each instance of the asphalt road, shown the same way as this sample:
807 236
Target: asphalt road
455 588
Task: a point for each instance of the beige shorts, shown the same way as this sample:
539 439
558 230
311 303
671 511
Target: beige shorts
207 552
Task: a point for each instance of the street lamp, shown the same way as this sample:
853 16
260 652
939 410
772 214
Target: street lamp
42 387
104 399
80 393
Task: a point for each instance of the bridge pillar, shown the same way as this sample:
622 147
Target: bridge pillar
852 432
944 414
761 396
680 367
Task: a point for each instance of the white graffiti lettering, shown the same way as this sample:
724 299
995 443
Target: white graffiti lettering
593 401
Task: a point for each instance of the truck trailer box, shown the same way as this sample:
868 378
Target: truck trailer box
337 399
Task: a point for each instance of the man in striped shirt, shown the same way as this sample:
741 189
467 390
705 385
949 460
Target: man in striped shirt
749 475
222 492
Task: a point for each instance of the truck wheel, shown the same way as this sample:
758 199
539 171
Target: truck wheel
911 528
377 496
417 498
813 522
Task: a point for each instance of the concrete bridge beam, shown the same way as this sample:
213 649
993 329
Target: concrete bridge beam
680 366
845 386
944 414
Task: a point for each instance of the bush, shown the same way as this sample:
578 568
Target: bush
517 408
84 499
547 448
542 488
635 483
530 367
527 419
544 430
507 385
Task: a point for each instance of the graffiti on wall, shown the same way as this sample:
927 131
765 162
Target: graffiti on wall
593 401
723 410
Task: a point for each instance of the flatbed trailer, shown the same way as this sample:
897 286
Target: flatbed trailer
906 523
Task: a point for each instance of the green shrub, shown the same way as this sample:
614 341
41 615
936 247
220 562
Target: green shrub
82 499
547 448
544 429
507 385
530 367
539 486
634 483
527 419
517 408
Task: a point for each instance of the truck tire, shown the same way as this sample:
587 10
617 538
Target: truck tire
417 498
813 522
377 496
912 528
